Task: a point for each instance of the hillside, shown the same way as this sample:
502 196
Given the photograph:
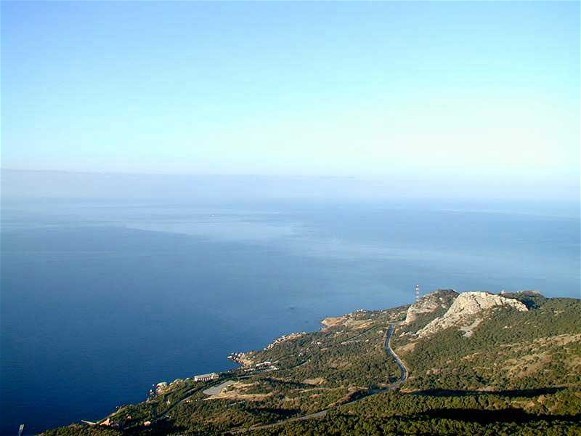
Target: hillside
477 363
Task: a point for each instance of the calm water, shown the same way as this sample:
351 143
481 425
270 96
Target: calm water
100 300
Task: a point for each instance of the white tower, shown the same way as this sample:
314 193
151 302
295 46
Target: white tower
417 293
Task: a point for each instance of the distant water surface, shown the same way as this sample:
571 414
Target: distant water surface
102 299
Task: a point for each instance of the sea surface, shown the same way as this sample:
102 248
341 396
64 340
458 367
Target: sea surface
102 299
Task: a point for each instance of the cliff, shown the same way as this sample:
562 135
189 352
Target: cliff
430 304
468 310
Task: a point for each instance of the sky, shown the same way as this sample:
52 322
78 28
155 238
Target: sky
472 90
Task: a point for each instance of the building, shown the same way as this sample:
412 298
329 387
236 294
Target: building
206 377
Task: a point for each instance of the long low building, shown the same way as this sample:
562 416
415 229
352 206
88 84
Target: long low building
206 377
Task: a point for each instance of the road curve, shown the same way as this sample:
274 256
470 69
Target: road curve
402 379
404 371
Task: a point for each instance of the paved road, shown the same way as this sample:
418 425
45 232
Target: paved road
187 395
392 386
387 344
215 390
404 371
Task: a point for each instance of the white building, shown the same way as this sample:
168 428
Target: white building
206 377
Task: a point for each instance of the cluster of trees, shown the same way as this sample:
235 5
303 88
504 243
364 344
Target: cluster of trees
475 413
356 425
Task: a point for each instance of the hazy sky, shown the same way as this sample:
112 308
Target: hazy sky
479 90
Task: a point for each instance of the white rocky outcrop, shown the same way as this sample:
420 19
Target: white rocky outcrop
430 303
468 310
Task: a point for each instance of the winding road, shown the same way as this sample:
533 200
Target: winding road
390 387
404 371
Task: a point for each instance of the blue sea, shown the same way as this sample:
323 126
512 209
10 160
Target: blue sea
101 299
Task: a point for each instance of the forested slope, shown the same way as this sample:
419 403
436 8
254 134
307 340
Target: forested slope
478 363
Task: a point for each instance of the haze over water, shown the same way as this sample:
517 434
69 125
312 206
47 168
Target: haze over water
181 180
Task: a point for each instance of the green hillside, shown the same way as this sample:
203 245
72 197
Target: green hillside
502 370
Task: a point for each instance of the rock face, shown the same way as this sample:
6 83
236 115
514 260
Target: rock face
429 304
334 321
467 312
